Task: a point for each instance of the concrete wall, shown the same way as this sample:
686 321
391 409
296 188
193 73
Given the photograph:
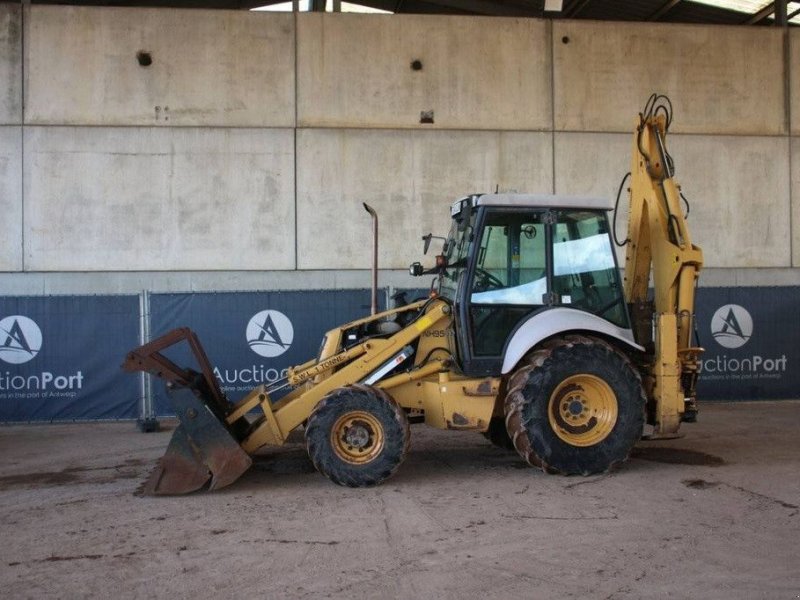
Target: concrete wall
11 137
240 157
722 80
426 169
356 71
795 183
739 220
794 78
209 68
11 198
137 199
10 64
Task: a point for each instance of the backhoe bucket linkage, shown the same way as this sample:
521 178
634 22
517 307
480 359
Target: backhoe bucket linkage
204 450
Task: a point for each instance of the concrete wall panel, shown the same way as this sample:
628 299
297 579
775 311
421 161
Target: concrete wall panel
724 80
795 144
737 188
10 64
11 198
794 75
120 199
477 73
593 165
217 68
410 178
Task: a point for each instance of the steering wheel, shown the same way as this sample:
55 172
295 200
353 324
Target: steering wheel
486 281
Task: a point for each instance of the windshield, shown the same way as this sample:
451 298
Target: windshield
457 251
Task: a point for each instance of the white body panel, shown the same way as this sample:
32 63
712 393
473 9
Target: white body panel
557 320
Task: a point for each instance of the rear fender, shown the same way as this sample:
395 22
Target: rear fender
556 321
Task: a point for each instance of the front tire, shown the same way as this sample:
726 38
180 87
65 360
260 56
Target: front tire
575 406
357 436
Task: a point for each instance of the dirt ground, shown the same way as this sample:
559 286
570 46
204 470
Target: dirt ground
713 515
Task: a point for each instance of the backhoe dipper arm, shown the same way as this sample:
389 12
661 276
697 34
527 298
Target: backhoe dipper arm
660 243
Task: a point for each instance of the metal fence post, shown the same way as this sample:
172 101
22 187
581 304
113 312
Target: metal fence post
147 421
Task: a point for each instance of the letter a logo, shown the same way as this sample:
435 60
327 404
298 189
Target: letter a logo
270 333
20 339
731 326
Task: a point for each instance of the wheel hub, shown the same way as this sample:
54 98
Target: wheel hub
357 437
582 410
575 406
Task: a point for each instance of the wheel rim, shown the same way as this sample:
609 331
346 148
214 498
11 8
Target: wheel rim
582 410
357 437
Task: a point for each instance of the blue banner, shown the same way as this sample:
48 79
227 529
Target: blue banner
252 337
60 357
750 336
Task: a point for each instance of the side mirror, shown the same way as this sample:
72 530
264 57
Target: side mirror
416 270
427 239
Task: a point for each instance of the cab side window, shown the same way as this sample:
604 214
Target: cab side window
584 272
511 263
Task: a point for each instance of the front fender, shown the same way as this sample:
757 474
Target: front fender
550 322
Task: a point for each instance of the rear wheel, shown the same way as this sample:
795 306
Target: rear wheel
357 436
575 407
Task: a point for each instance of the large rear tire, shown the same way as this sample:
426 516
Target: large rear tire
357 436
575 406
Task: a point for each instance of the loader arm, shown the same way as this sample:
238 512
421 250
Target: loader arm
351 366
660 245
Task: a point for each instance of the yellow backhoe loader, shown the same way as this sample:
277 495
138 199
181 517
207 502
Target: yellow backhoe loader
530 336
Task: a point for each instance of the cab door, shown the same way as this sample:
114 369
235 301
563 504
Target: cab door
526 262
507 281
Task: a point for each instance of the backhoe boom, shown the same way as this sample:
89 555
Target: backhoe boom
660 244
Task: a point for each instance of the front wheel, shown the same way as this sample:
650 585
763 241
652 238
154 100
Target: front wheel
575 407
357 436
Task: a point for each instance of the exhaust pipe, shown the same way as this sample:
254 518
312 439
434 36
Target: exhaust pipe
374 300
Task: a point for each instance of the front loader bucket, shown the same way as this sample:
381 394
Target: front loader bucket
204 451
201 450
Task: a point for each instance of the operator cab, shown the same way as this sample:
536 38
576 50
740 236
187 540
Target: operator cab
511 256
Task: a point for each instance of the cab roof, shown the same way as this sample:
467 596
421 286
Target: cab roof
541 201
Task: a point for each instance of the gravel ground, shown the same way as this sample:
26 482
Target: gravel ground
713 515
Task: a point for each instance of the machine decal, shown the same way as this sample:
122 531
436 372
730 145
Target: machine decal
731 326
270 333
23 339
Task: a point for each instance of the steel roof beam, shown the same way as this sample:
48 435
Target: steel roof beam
781 9
761 15
665 8
578 9
486 7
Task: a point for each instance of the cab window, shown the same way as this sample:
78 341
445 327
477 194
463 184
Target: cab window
585 275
